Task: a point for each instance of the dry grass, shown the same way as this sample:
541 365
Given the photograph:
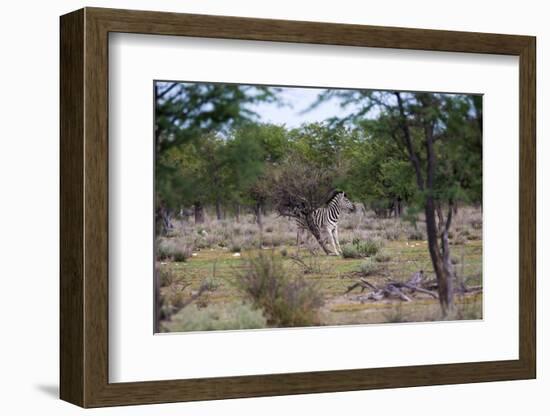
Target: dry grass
220 251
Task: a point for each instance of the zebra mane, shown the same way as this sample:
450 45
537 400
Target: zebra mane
333 195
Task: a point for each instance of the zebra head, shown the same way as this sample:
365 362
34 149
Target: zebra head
343 202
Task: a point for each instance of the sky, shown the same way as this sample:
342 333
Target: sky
298 100
295 110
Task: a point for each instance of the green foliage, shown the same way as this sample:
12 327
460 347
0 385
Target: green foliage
286 298
349 251
185 111
321 144
216 318
382 169
369 268
173 249
378 174
382 257
188 116
361 248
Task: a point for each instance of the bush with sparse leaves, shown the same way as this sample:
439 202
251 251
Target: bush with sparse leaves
284 296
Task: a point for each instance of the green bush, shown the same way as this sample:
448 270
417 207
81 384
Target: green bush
173 249
349 251
166 276
216 317
286 298
360 248
382 257
181 255
368 248
368 268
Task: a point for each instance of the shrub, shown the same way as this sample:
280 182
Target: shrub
382 257
368 224
417 235
275 240
349 251
358 248
163 253
284 252
235 247
368 268
368 248
476 223
286 298
173 249
458 240
181 255
392 234
216 317
166 276
344 240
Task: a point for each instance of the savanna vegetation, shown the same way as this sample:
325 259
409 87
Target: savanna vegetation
230 187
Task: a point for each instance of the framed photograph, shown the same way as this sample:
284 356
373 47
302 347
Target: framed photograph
255 207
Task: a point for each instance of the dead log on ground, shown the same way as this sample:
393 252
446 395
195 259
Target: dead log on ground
393 289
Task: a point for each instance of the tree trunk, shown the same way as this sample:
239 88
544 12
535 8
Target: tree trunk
218 209
398 207
238 213
163 220
441 257
258 213
444 226
259 221
199 213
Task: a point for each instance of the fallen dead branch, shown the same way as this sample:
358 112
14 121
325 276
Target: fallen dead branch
392 289
363 284
402 290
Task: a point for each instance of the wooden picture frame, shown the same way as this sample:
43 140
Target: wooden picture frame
84 207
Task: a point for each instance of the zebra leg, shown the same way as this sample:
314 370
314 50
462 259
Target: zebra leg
331 236
335 232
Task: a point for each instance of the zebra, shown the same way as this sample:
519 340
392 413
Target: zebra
326 218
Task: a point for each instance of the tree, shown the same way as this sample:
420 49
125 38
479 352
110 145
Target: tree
185 112
378 174
298 187
440 136
197 173
322 144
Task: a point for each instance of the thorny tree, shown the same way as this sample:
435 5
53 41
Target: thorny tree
297 188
